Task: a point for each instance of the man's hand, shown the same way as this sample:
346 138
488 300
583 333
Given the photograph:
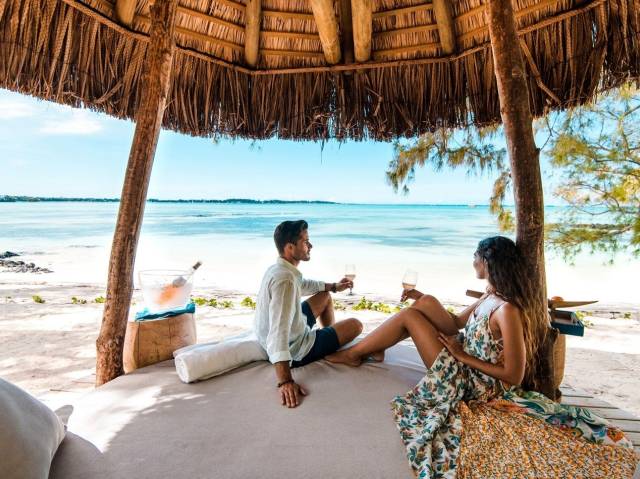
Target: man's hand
291 394
410 294
343 284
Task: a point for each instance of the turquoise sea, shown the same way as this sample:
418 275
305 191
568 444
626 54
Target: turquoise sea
234 241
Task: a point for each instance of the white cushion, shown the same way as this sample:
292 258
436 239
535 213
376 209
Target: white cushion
204 361
30 434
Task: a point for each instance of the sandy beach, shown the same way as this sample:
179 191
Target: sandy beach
49 348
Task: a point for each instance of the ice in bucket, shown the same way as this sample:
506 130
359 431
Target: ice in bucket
166 289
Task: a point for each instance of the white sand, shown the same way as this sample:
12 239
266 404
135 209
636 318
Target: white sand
49 349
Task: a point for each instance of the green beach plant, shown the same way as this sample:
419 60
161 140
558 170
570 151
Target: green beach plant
248 303
199 300
226 304
365 304
99 300
37 299
76 300
338 305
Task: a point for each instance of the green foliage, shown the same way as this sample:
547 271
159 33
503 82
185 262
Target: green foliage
472 148
199 300
597 150
203 301
365 304
37 299
226 304
582 317
75 300
626 315
338 306
99 300
594 152
400 306
248 303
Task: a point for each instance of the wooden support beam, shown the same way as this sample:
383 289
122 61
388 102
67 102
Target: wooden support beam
402 11
346 31
362 11
421 47
291 53
125 11
156 76
525 172
306 17
253 15
327 24
404 31
446 28
289 35
197 35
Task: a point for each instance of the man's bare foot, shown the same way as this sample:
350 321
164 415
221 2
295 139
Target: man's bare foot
344 357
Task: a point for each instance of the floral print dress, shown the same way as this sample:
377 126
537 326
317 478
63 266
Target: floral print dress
459 422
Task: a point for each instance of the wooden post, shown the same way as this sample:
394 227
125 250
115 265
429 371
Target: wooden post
346 31
327 24
253 15
125 11
444 20
362 11
155 87
524 160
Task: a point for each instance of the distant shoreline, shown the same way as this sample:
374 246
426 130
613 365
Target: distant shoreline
249 201
43 199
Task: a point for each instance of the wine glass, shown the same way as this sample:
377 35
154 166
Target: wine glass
409 280
350 274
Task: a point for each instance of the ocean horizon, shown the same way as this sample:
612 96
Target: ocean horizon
234 240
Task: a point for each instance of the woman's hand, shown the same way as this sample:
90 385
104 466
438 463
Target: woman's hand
453 345
410 294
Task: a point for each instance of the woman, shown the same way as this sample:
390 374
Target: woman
467 417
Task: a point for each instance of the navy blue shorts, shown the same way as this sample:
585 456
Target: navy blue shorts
326 340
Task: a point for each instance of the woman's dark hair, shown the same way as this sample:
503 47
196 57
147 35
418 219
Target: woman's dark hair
288 232
509 280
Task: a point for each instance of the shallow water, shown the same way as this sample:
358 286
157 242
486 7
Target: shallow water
234 241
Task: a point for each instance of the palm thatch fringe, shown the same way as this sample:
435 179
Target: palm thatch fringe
78 57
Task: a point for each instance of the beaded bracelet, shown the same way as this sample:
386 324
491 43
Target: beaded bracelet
285 382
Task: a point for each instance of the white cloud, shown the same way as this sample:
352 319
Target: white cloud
11 109
72 122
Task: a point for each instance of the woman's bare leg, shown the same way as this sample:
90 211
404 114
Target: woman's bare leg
407 322
437 314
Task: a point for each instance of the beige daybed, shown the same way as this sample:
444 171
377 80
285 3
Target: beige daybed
148 424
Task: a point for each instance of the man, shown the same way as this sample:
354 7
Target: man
284 325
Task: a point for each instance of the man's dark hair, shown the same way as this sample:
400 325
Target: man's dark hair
288 232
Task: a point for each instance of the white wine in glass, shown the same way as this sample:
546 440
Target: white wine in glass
409 280
350 274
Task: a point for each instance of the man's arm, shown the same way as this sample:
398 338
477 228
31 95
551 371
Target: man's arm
310 286
290 391
281 313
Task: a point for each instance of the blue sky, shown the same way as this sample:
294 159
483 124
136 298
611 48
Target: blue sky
51 150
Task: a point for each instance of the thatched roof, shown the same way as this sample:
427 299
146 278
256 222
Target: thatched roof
80 53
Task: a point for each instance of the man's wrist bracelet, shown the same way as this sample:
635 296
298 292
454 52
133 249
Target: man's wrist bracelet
334 289
285 382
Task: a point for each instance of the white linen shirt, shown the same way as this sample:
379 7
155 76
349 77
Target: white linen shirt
279 324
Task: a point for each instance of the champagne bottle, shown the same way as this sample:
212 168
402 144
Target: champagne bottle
181 280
